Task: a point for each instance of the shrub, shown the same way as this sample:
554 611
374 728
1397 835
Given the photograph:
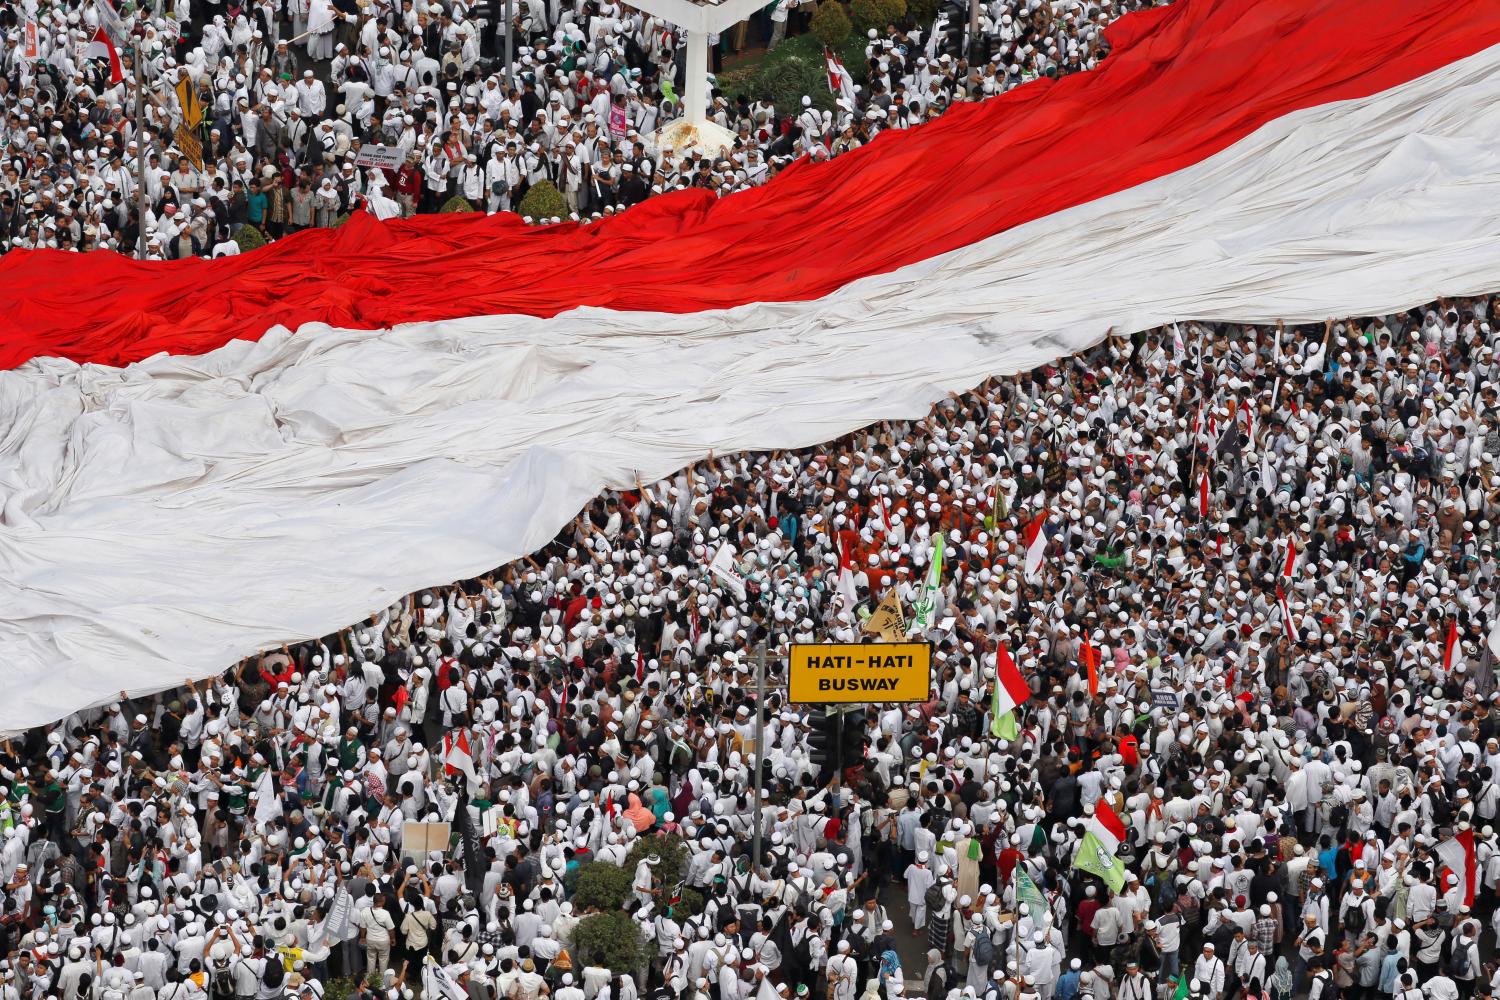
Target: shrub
339 989
249 238
690 905
923 12
611 939
876 13
543 202
787 79
602 886
830 25
669 848
457 204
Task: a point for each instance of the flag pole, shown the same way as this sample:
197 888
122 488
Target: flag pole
137 57
760 751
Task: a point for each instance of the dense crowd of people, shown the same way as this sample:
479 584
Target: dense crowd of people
1259 633
291 91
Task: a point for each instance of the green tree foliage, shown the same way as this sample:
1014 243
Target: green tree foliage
830 25
543 202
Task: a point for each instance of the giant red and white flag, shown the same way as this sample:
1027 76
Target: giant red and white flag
204 459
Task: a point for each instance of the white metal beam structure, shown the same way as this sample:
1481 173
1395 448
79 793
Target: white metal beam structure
699 19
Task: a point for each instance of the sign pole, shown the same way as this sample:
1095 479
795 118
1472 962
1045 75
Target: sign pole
838 753
760 751
510 62
140 148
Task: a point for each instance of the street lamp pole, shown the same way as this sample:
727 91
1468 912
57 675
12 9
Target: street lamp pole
138 58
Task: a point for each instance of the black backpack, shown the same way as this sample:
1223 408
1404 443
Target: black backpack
275 973
223 981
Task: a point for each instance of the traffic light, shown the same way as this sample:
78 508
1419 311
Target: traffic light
823 745
852 743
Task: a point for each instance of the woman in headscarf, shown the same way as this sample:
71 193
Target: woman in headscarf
1281 980
642 818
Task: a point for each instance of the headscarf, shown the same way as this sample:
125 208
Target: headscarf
1281 979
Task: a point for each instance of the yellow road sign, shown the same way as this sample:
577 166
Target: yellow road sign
875 672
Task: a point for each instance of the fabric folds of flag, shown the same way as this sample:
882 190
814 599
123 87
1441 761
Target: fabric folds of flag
1010 692
1028 893
1035 539
1288 626
1450 645
398 404
921 618
1089 657
1099 847
457 758
103 47
1458 858
840 81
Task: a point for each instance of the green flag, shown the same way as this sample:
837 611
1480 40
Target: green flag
667 91
1181 992
1094 857
1028 893
1003 725
921 619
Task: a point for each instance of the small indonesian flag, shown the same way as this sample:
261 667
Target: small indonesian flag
847 589
1036 544
840 82
1291 560
456 756
1203 495
1107 826
1457 856
1011 689
103 48
1099 847
1286 616
1450 645
1090 657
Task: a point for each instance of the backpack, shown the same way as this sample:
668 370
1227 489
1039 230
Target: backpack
984 950
275 973
223 984
1458 962
1354 919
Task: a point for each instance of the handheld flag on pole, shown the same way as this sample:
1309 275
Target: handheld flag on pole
1036 544
1028 893
846 586
1011 690
1090 657
1203 495
840 83
103 47
1450 645
1098 850
1286 616
888 622
922 614
456 756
